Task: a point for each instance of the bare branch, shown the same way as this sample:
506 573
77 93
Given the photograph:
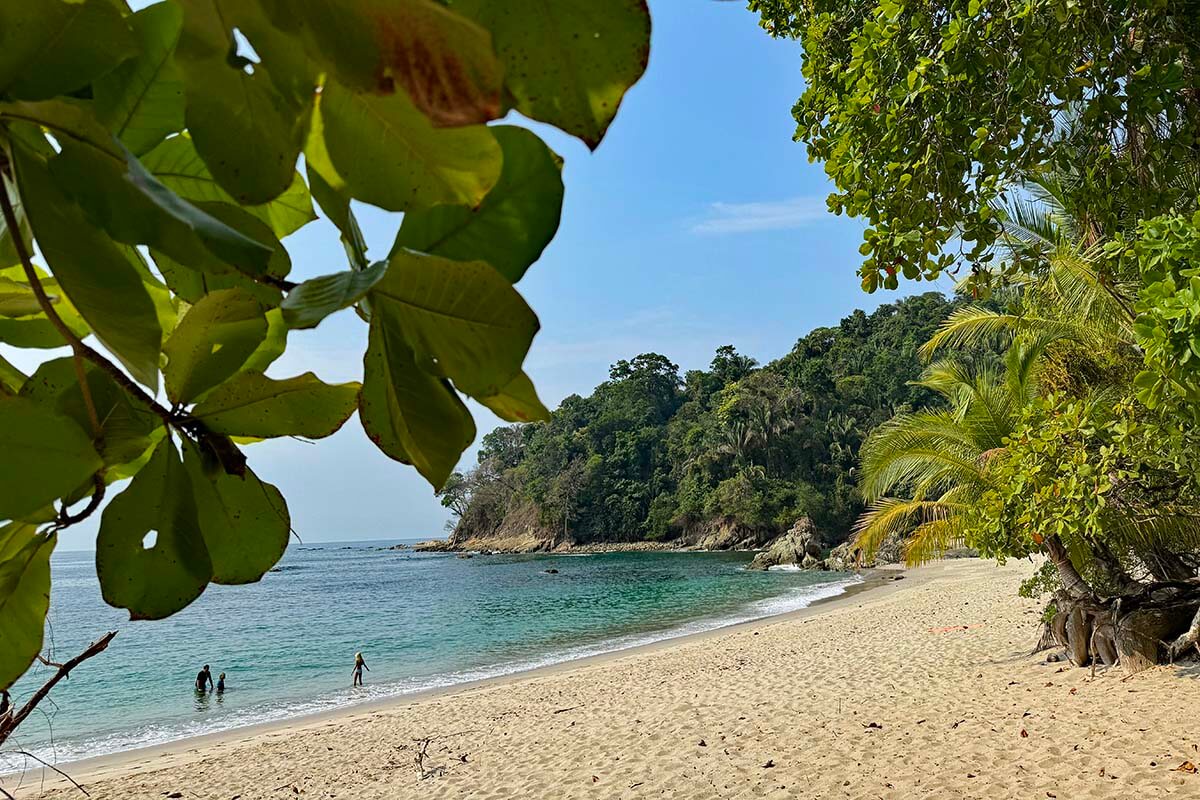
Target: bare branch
51 766
7 726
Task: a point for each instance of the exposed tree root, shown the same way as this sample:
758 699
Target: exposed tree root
1154 625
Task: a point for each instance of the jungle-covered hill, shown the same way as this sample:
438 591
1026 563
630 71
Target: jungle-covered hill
725 457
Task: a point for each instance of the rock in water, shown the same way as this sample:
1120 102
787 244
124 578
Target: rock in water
801 545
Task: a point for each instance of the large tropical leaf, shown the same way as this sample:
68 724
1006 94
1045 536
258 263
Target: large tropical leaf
52 47
150 552
409 414
512 225
463 320
391 156
141 101
567 62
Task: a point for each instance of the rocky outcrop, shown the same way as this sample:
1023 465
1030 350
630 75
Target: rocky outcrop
721 533
800 546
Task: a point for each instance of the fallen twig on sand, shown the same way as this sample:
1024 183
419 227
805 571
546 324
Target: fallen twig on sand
56 769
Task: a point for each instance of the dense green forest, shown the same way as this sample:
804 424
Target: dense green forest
736 451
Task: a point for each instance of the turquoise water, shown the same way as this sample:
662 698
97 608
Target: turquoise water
287 644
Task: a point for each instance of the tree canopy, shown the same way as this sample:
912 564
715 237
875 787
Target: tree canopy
151 166
924 113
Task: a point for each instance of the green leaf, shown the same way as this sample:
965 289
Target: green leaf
157 581
409 414
251 404
212 342
36 330
567 62
208 274
517 402
315 299
52 47
179 167
46 455
135 208
11 378
391 156
97 276
516 220
443 61
141 101
126 425
24 597
273 345
248 131
462 319
17 299
244 521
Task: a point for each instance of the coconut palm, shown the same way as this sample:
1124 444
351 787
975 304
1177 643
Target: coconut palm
921 471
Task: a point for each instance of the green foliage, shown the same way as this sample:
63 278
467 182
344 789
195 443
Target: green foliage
1166 250
24 596
162 132
652 456
924 114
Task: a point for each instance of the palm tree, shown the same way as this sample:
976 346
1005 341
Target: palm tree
922 470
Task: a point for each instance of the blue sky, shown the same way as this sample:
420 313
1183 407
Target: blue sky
697 222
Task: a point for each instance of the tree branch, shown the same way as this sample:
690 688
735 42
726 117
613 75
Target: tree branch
9 724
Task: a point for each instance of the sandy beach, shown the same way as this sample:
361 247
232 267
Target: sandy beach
919 688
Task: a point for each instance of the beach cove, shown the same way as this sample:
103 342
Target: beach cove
921 687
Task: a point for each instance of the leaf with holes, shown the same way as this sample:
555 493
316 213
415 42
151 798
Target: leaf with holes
46 456
150 552
463 320
24 597
317 298
512 225
391 156
141 101
244 521
252 404
410 415
212 342
567 62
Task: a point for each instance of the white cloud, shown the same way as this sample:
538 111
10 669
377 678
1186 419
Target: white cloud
749 217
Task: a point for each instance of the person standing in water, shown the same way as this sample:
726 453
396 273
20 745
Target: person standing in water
204 680
221 683
359 666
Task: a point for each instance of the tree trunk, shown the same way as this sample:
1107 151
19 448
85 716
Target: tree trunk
1072 582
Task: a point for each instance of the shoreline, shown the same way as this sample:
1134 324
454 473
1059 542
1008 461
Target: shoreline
917 688
873 581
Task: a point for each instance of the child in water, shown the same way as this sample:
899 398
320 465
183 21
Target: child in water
221 683
359 666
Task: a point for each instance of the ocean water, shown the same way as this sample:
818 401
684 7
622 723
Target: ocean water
287 644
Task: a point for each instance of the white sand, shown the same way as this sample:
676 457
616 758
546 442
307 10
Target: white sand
867 697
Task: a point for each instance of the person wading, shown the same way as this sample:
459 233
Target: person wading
359 666
204 680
